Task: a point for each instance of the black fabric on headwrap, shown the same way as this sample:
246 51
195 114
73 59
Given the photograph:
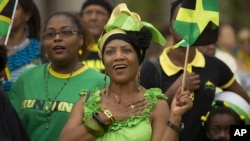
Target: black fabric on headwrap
113 37
139 40
123 37
103 3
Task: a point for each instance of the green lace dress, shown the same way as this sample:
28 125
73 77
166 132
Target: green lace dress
136 128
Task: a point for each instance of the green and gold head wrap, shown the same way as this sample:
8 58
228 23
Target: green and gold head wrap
126 25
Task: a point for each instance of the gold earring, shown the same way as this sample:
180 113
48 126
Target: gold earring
104 85
138 82
46 56
80 52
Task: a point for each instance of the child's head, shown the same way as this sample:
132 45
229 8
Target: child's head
218 123
228 108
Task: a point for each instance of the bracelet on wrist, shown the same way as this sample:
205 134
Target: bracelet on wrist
108 114
93 127
97 118
176 128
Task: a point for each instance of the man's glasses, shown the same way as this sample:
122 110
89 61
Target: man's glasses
64 33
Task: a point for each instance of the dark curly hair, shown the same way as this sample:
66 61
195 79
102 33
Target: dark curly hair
34 23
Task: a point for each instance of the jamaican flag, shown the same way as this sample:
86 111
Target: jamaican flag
7 7
6 10
197 22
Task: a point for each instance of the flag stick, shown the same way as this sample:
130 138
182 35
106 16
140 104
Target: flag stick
12 18
185 69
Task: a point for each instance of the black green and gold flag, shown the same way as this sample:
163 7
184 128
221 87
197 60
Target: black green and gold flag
197 22
6 11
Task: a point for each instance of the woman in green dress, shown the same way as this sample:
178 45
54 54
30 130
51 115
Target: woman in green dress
125 111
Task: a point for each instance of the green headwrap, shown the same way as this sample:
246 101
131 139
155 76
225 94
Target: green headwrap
122 21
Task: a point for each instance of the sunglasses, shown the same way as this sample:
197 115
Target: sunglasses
65 32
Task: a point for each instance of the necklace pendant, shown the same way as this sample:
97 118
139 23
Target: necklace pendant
50 105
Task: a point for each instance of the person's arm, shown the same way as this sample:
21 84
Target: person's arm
74 128
170 134
181 103
159 115
238 89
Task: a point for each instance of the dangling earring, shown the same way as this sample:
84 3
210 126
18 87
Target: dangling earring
80 52
138 82
46 56
26 31
104 83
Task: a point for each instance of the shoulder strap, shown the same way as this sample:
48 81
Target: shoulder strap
87 96
158 74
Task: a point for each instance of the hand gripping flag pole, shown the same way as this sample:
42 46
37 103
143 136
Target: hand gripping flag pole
197 23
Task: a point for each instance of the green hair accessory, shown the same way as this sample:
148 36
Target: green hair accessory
123 19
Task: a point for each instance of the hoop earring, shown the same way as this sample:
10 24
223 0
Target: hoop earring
26 31
138 81
104 83
46 56
80 52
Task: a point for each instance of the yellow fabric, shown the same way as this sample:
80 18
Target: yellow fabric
191 21
171 69
60 75
105 37
7 73
229 83
93 47
122 18
204 16
245 58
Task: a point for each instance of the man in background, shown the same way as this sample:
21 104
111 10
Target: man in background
94 15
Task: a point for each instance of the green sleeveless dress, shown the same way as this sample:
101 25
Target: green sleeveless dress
135 128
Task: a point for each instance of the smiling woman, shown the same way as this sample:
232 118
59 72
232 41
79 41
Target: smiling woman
125 110
44 96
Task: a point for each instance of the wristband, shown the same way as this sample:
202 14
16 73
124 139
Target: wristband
93 127
178 129
96 117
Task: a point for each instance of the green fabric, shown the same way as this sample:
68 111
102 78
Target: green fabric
243 115
126 20
136 128
29 100
193 17
4 28
6 9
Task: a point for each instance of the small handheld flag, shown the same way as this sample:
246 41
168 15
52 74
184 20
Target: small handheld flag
7 12
197 22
